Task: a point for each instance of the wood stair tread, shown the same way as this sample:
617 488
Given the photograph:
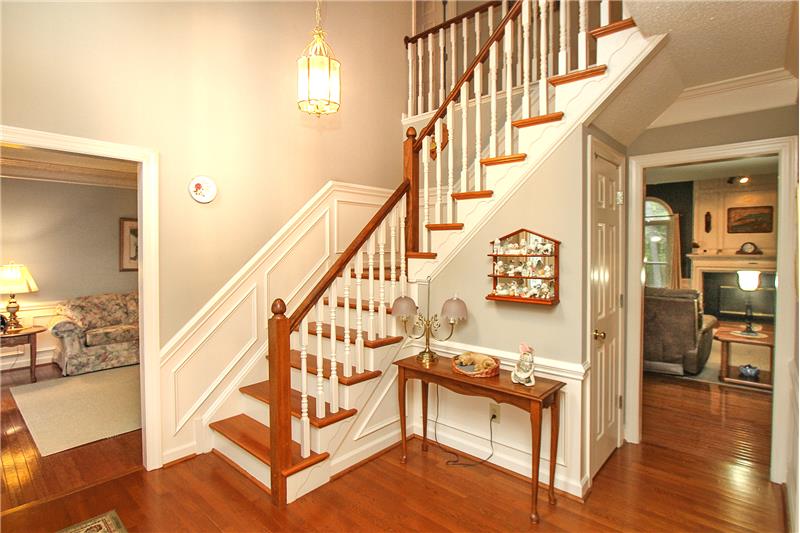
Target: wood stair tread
420 255
260 391
614 27
542 119
445 227
294 361
377 343
253 437
503 159
471 195
576 75
364 304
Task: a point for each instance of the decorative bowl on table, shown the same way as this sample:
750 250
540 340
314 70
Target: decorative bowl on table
475 365
749 371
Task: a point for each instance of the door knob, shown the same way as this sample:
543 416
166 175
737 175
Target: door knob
598 335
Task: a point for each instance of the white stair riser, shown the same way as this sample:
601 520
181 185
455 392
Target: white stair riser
244 459
260 411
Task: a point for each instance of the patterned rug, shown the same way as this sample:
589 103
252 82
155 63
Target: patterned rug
105 523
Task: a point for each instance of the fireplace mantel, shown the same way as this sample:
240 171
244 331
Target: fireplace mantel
727 263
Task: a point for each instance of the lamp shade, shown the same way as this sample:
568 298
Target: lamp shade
454 310
16 279
748 279
404 307
318 78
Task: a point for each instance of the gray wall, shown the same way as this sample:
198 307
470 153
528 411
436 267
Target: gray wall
67 235
212 87
551 202
768 124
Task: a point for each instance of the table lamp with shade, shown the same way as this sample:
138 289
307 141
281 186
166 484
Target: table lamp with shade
15 279
748 281
453 311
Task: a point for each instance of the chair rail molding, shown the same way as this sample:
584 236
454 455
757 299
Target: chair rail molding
149 339
786 304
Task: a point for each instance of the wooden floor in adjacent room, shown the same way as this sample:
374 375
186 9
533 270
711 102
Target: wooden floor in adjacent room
28 477
703 466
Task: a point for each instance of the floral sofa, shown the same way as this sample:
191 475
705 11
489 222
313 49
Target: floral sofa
97 332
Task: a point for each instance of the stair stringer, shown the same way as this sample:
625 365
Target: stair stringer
579 101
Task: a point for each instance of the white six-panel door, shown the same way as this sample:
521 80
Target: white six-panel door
606 194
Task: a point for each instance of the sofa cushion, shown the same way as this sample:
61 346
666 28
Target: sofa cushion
131 300
112 334
91 312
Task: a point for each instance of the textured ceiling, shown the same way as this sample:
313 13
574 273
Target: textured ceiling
718 40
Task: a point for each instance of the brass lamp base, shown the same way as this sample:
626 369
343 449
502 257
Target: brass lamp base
427 357
13 325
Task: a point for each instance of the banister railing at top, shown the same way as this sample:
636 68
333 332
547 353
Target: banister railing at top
333 272
480 57
454 20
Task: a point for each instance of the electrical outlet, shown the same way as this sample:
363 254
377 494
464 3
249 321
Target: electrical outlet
494 411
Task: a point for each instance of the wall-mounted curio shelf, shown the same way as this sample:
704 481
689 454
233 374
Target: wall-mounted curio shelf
524 268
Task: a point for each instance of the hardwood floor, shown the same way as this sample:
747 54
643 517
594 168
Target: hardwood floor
29 477
702 466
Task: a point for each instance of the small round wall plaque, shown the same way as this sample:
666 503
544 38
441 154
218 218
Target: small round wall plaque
203 189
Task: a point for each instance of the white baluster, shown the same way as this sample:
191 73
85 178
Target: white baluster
393 263
371 281
431 79
605 12
491 28
493 100
535 40
551 37
305 424
451 109
477 80
420 44
333 381
382 280
359 313
509 49
583 35
410 57
320 364
543 57
518 60
465 42
453 57
425 155
563 51
402 241
441 67
347 362
626 12
526 59
464 99
504 8
437 213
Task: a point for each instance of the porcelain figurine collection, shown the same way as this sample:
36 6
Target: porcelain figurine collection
535 245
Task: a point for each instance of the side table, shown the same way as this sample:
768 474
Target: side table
22 337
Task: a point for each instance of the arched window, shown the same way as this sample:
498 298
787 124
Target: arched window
659 244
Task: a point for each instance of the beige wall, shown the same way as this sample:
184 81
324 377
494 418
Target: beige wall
67 235
768 124
551 202
212 87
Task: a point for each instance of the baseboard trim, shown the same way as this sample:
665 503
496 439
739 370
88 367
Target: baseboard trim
179 460
361 463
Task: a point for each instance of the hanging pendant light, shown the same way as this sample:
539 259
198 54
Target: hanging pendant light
318 75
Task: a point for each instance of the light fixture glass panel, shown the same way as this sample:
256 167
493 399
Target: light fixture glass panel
748 279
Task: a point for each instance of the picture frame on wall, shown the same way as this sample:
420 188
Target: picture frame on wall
757 219
128 244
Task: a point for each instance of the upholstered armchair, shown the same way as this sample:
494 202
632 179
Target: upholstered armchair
97 332
677 335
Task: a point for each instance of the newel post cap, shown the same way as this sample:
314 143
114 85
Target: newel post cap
278 307
411 133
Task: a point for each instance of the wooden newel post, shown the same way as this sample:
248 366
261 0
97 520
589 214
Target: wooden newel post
280 417
411 174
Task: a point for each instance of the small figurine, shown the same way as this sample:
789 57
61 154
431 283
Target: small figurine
499 268
539 267
498 247
547 248
501 290
523 371
547 271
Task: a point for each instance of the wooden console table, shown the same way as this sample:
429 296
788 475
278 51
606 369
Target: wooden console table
22 337
729 373
500 389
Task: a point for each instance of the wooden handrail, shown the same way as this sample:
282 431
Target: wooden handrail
468 73
330 276
454 20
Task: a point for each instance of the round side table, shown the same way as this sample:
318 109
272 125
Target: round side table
22 337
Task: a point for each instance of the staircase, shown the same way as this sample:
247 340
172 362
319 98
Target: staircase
328 358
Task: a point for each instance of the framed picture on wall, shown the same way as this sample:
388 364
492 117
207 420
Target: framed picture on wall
750 219
128 244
